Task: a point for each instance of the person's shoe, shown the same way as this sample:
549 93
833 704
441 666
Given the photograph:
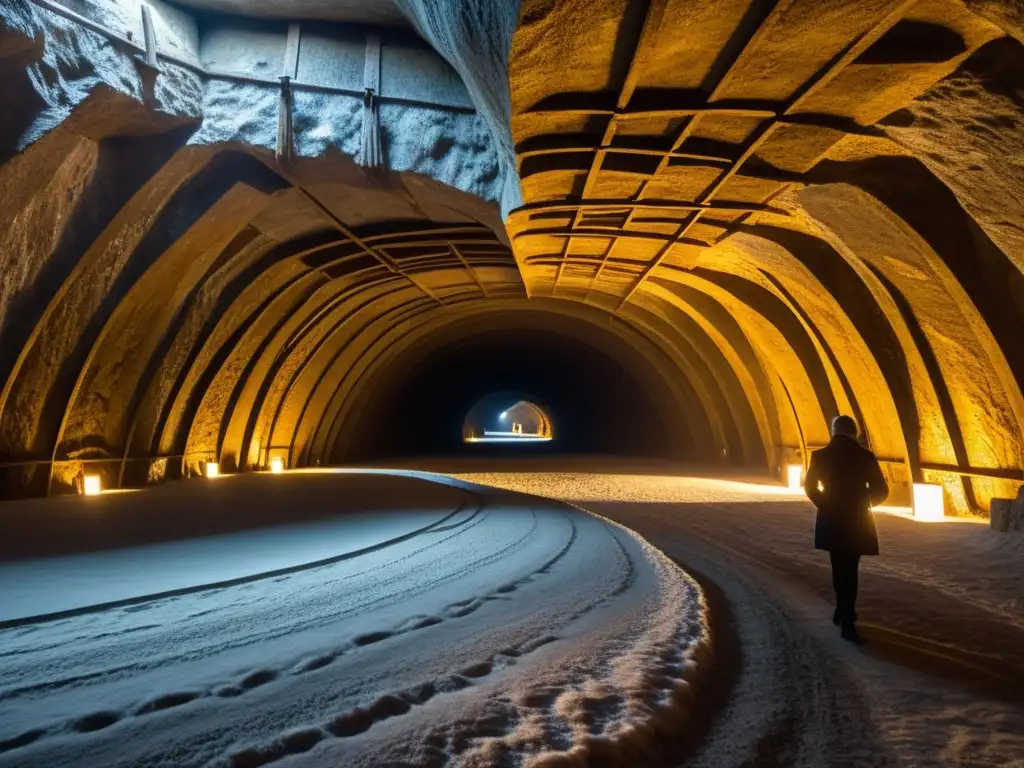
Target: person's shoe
850 634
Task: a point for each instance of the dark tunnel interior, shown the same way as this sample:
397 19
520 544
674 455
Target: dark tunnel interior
595 404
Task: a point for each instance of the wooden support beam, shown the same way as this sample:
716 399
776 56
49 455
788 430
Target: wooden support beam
290 65
469 267
149 37
366 247
824 76
643 205
652 21
608 234
289 69
372 154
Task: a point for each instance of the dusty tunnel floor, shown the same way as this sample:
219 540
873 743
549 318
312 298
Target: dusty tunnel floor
374 618
378 620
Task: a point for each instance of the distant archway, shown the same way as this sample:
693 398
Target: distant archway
504 417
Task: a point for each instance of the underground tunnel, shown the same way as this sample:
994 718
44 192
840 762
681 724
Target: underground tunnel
303 238
229 233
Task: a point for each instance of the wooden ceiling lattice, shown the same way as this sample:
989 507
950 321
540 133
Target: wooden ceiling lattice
647 215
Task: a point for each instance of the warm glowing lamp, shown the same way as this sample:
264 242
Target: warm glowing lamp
795 476
91 485
212 469
928 502
277 465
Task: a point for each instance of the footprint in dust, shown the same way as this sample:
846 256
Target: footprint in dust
478 670
452 684
302 740
168 701
317 662
22 739
420 694
351 723
95 722
422 623
389 706
540 699
258 678
459 613
533 645
372 637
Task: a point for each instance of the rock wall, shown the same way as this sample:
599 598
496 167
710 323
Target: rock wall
141 219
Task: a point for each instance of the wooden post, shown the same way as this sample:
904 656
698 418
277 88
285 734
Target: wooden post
149 35
283 150
289 70
372 155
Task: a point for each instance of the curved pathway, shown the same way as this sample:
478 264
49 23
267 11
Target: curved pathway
507 628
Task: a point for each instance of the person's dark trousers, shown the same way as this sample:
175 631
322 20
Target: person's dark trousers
844 581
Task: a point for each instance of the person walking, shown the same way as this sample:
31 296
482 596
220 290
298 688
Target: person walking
844 481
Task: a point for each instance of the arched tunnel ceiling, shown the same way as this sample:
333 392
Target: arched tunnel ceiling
768 212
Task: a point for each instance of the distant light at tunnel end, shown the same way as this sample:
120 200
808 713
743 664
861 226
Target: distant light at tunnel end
928 503
277 465
794 476
212 469
91 485
504 414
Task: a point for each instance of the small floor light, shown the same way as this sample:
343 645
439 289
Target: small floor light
212 469
928 502
91 485
795 476
277 465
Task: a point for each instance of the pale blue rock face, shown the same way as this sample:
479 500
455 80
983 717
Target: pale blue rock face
223 73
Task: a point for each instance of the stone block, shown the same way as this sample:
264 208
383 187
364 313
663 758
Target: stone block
1007 515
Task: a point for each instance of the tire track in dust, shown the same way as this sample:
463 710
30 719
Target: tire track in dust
242 580
259 677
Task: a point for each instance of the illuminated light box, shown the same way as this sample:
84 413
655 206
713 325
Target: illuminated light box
277 465
795 476
91 485
212 469
928 502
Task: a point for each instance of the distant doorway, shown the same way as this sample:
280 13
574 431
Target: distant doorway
505 418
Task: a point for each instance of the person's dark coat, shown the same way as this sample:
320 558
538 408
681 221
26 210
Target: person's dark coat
843 481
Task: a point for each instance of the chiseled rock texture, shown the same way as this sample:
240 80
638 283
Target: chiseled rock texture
1008 514
969 131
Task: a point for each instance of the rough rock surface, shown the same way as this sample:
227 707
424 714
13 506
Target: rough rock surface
1008 514
969 131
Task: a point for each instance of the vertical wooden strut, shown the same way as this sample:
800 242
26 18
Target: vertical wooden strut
372 155
284 106
149 35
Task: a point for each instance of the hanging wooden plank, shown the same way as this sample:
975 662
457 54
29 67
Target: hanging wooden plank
371 70
372 154
149 36
290 68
